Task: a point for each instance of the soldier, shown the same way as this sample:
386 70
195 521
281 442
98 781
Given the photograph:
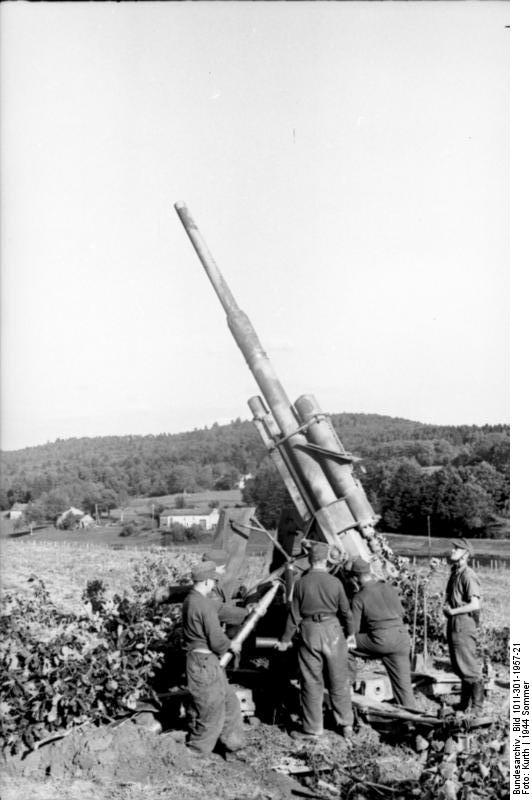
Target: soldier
216 709
228 612
320 610
380 631
462 609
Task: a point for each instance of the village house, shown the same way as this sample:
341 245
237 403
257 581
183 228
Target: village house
17 510
204 517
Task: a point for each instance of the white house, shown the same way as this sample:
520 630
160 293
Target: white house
243 480
204 517
17 510
86 521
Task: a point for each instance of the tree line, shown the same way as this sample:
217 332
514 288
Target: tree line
456 475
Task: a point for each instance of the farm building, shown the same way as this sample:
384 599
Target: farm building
205 517
86 521
17 510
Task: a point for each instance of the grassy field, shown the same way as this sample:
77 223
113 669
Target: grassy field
405 545
66 567
143 505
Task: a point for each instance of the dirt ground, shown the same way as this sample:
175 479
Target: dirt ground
129 762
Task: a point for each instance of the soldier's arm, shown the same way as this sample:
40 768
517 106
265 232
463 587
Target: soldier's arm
294 617
471 595
344 612
473 605
357 607
218 642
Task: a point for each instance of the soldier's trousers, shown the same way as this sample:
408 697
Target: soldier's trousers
322 659
215 706
462 640
392 647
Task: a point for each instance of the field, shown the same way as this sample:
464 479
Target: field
65 567
67 563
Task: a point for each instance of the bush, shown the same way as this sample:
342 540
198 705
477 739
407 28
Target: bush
69 522
130 529
60 670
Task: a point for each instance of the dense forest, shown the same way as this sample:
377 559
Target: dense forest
455 478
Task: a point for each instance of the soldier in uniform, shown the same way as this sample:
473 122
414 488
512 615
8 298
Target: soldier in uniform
380 631
462 609
216 709
320 610
229 613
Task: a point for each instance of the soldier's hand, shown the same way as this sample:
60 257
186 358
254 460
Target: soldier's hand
351 642
235 647
161 594
283 646
447 610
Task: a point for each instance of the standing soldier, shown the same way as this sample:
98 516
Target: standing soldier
215 705
380 631
462 609
229 613
318 607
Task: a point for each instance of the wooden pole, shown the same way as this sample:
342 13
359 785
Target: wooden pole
416 588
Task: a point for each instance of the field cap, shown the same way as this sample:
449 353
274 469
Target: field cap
219 557
319 551
463 544
203 571
359 566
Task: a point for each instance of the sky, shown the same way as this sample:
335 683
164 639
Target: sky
347 164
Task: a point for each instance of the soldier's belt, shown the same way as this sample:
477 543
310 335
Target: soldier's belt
319 617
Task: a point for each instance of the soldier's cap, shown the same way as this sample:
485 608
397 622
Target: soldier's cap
203 571
463 544
219 557
358 566
318 551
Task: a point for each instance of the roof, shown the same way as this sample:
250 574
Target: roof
188 512
19 507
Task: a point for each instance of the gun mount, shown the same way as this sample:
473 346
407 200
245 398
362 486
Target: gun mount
301 440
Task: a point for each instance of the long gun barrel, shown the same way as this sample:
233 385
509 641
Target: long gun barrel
304 446
258 612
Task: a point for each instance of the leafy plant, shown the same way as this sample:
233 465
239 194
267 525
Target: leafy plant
61 670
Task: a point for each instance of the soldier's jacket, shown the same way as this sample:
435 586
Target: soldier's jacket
376 606
462 586
317 592
201 626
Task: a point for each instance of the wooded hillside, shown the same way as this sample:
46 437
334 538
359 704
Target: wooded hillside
458 475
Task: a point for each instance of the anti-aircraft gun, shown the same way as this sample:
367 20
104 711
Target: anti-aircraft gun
329 501
316 469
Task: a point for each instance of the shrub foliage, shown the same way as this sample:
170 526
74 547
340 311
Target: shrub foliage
60 670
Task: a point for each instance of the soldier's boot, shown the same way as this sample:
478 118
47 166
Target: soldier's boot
477 696
465 696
